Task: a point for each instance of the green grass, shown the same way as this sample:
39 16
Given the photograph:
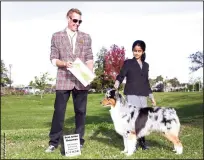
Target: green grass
26 122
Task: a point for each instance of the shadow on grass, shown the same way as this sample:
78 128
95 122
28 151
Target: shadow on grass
69 127
111 138
191 114
98 119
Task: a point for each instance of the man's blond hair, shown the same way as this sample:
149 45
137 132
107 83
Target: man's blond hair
73 10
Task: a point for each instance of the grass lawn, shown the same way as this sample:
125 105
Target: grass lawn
26 121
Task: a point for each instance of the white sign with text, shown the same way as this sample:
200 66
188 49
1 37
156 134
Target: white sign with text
72 145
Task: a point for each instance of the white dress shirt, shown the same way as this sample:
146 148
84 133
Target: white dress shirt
71 35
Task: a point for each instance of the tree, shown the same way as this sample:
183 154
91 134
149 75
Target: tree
196 83
99 63
114 60
159 78
152 82
4 75
99 82
104 79
174 82
41 82
199 83
192 84
196 60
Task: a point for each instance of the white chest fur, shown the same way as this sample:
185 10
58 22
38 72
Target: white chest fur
120 124
116 121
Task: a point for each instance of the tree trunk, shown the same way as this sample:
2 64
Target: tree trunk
41 94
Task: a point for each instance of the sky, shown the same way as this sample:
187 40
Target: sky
171 30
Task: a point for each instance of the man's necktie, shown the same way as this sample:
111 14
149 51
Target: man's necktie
71 41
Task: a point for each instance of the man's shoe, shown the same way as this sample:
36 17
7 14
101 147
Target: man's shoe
81 146
81 143
50 149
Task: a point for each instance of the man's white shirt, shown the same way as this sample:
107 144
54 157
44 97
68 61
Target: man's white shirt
72 38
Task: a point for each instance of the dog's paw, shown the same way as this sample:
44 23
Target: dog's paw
179 150
129 153
174 150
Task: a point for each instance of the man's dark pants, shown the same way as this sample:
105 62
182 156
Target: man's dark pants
80 102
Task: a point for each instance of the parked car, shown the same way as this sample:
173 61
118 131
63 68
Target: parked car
31 90
19 91
92 91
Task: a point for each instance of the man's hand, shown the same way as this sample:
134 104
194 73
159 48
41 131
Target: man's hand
62 64
68 64
90 65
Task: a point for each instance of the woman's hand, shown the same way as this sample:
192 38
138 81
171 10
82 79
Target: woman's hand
116 85
153 102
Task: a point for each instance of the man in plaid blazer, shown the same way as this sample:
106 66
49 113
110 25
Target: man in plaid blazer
66 46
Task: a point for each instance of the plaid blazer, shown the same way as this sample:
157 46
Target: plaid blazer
61 49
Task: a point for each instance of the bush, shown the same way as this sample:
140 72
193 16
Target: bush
6 91
19 92
11 91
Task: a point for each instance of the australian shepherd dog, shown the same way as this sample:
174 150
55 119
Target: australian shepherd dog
133 122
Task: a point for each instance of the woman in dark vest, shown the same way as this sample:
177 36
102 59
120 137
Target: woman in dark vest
137 87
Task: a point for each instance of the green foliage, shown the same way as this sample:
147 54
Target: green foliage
152 81
99 63
41 82
101 82
4 74
105 72
175 82
159 78
194 87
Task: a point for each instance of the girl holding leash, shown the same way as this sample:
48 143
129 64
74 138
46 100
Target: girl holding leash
137 87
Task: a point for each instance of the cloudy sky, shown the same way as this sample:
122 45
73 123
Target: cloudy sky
171 30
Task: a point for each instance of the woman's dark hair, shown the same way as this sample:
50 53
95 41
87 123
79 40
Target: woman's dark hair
142 45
